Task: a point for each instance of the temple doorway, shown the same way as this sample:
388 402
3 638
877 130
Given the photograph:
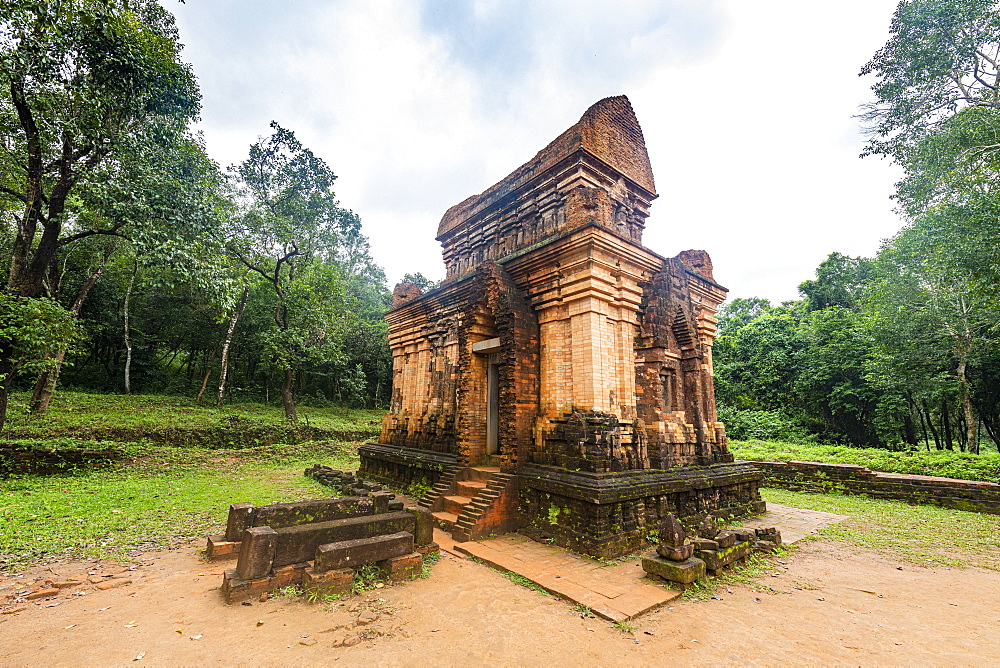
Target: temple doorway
493 404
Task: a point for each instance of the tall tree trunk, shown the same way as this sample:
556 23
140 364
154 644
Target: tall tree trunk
45 386
930 425
128 339
286 396
971 425
208 374
949 442
6 376
223 371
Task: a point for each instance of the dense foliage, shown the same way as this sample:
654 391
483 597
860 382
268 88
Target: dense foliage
180 276
902 348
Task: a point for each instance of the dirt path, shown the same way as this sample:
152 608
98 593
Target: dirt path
834 605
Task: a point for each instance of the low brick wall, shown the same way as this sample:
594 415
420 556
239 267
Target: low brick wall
32 460
972 495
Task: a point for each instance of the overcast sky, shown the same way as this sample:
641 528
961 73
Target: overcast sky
747 108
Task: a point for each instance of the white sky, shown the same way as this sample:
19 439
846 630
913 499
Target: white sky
747 108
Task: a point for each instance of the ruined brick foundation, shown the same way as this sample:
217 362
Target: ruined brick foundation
612 514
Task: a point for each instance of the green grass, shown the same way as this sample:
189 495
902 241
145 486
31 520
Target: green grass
944 463
181 421
523 581
745 571
161 497
925 535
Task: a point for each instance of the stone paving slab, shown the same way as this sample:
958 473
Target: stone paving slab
613 591
793 523
617 592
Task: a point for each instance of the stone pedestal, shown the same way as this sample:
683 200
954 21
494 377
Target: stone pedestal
682 572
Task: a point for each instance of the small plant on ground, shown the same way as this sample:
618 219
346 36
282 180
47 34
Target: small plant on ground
417 489
292 591
429 560
523 581
366 577
581 609
625 626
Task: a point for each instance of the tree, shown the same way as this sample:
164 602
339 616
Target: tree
741 311
31 332
942 57
840 281
292 233
930 317
84 83
85 88
831 376
756 364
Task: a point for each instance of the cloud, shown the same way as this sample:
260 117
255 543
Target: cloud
746 108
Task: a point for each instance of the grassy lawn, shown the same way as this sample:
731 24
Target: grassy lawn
182 421
944 463
162 496
925 535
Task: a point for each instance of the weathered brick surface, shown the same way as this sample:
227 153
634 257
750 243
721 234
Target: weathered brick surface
299 543
235 589
15 459
242 516
603 348
327 583
354 553
402 567
972 495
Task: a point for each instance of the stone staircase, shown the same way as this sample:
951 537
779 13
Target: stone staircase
460 500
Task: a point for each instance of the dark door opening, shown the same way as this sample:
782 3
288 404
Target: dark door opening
493 404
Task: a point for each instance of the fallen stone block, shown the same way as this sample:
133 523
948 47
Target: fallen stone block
716 559
299 543
772 535
675 553
683 572
354 553
430 548
243 516
423 531
725 539
257 553
704 544
766 546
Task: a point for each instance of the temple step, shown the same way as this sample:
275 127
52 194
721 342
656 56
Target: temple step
456 504
481 473
471 522
470 488
445 520
432 499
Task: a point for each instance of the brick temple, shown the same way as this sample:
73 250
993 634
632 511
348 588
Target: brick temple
559 380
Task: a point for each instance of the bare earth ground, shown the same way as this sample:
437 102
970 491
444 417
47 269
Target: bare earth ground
829 604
